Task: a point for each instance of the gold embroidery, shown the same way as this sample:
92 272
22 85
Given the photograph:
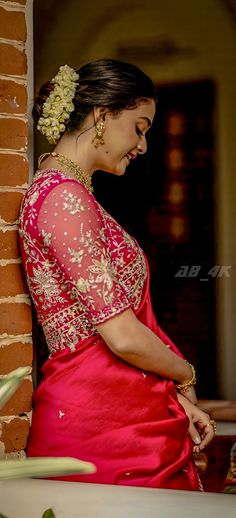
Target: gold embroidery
47 237
72 203
82 285
76 256
103 272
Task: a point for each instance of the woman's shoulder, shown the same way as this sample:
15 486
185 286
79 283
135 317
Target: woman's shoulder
49 183
52 186
47 180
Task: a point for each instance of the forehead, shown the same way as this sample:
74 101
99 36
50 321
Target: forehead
145 110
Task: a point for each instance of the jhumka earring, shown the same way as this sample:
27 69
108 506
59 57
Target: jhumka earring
98 140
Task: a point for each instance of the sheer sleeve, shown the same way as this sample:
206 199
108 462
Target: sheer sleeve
71 226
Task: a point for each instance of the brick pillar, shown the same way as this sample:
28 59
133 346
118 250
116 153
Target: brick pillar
15 308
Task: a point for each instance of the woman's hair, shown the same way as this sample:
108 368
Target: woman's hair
105 82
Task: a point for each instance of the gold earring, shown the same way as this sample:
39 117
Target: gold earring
98 140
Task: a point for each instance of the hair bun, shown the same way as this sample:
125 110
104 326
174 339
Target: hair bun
42 96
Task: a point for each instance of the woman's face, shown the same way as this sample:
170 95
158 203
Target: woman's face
124 137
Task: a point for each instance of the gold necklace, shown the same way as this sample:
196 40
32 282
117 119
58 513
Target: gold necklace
74 168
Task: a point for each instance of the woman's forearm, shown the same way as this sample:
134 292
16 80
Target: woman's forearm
135 343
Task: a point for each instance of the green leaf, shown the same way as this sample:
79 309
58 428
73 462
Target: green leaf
48 514
43 467
10 382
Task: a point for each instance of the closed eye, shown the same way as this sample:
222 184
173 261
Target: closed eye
139 132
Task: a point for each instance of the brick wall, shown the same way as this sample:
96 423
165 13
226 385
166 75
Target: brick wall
15 309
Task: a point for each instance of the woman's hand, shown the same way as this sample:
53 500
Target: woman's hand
200 429
190 394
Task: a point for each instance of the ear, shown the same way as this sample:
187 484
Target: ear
100 113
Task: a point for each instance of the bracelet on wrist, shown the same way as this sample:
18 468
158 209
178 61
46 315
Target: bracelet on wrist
184 387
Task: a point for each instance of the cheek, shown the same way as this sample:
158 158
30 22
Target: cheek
120 141
128 141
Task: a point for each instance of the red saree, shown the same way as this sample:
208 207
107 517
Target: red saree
82 269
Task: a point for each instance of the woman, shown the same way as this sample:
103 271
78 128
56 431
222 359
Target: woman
116 391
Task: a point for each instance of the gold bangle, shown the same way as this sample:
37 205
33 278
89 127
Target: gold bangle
213 424
185 386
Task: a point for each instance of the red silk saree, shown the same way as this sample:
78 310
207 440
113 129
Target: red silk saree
82 268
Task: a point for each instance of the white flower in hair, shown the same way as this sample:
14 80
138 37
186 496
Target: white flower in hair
59 104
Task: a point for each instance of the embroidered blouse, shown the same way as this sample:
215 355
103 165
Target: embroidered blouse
82 267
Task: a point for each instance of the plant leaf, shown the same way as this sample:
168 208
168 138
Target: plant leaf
10 382
43 467
48 514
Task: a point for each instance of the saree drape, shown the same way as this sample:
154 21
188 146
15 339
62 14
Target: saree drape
82 269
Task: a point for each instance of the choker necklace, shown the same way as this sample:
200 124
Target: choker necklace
74 168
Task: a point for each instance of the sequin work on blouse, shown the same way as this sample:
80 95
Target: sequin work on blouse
82 268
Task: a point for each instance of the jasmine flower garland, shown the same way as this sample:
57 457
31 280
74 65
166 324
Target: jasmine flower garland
59 104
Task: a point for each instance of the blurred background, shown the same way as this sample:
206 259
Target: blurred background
179 199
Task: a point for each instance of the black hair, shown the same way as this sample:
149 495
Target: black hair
105 82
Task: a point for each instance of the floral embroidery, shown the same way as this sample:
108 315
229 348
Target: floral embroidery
47 237
64 327
82 285
103 272
76 256
32 215
34 198
72 203
87 240
44 283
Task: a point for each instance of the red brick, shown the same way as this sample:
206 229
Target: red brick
13 133
21 401
13 97
12 60
15 355
16 318
13 26
10 203
12 280
9 244
14 170
14 434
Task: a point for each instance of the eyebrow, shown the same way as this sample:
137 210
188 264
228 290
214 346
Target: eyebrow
147 120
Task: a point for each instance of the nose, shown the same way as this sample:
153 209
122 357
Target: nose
142 145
